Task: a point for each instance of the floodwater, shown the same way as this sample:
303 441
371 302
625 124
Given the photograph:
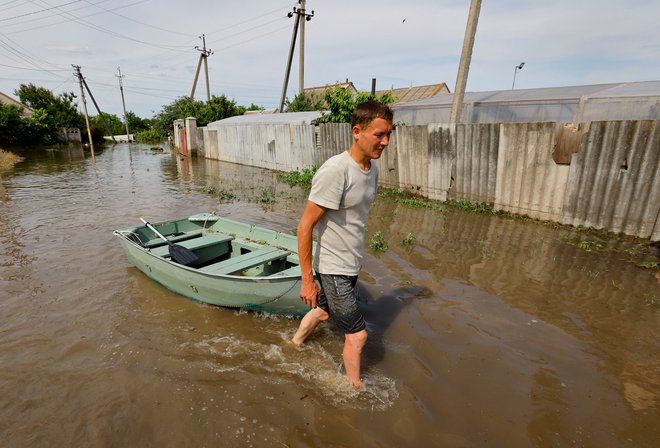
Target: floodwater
484 332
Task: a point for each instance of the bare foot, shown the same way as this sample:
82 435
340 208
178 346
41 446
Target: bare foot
291 342
358 387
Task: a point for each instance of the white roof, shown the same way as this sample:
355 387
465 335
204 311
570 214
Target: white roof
293 118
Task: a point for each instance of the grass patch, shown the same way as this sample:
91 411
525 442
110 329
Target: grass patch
8 160
298 177
378 243
266 197
220 193
652 302
408 240
419 203
475 207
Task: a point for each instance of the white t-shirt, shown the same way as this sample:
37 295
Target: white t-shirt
346 191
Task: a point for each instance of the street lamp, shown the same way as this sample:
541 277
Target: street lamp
515 70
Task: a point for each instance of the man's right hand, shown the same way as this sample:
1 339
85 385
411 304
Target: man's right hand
309 292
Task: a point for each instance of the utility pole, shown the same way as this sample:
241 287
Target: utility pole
123 103
299 12
464 65
82 95
202 57
105 123
308 17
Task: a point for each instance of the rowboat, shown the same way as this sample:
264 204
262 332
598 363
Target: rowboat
231 264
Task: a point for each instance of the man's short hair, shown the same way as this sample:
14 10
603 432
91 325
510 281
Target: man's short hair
368 111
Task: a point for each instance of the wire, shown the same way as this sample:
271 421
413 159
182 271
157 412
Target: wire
138 22
113 33
254 38
70 11
26 58
250 20
7 3
34 69
38 12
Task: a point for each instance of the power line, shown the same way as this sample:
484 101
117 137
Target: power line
8 3
112 33
254 38
34 69
26 58
138 22
68 20
38 12
252 19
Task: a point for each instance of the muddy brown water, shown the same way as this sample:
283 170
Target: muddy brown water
485 332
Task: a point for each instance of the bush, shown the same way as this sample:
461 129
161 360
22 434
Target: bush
149 136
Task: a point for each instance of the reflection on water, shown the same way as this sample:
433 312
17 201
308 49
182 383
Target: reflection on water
484 332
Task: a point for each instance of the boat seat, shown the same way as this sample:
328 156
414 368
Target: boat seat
157 242
245 261
193 244
293 270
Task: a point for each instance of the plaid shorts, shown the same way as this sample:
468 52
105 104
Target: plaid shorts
338 297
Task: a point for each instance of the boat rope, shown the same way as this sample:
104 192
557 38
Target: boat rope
131 236
208 215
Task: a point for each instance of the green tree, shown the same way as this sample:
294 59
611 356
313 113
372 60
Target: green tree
217 108
341 103
137 124
180 108
50 112
304 103
115 124
13 127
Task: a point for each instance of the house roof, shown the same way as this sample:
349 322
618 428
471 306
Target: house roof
287 118
320 89
613 101
413 93
9 101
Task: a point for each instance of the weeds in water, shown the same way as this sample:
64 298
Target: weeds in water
378 243
408 240
221 193
419 203
593 274
476 207
266 197
617 286
652 302
389 192
649 264
584 245
298 177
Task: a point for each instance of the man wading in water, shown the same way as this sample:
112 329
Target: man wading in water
341 195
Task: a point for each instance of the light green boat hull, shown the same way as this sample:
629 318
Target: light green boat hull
231 270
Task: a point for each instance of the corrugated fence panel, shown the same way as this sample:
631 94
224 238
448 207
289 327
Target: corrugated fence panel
529 182
413 150
441 157
614 180
334 138
303 147
477 149
388 165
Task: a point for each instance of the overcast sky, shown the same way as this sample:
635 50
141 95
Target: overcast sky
400 43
